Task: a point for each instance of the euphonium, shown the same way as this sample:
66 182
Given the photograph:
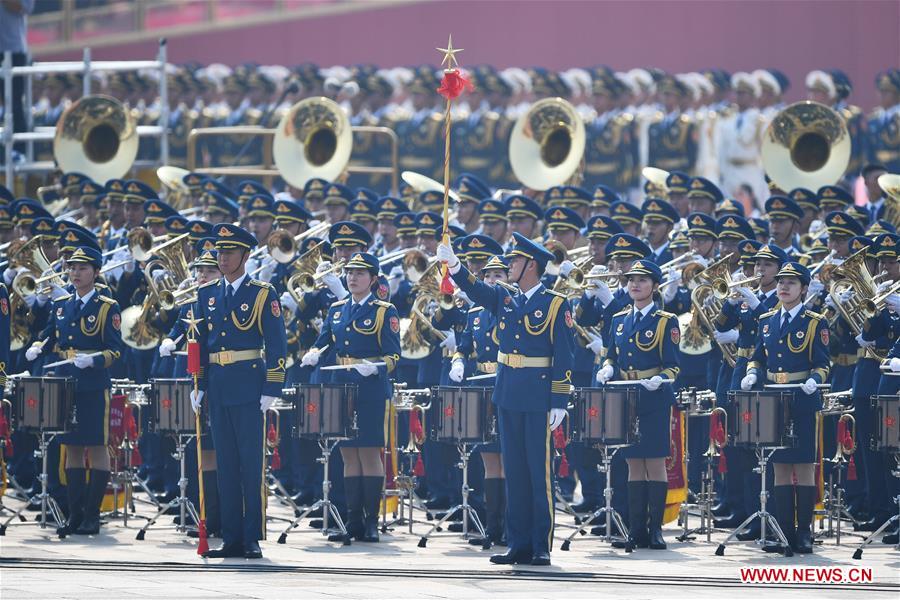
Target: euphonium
852 275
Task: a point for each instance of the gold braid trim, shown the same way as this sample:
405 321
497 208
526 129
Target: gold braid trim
255 314
99 325
555 303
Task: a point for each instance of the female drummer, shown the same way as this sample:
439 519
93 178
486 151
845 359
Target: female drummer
644 349
793 348
85 329
362 330
480 339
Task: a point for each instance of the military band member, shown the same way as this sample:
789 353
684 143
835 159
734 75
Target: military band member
784 224
740 138
85 329
363 331
793 348
240 317
644 348
609 157
532 388
524 214
387 208
673 139
471 191
659 219
245 192
602 200
677 189
494 221
808 201
883 125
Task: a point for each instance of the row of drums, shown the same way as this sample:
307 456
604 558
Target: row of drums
603 416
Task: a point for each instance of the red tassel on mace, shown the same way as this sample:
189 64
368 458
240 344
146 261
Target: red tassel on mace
563 470
453 84
723 464
271 436
419 468
136 458
415 427
276 460
851 470
193 357
559 439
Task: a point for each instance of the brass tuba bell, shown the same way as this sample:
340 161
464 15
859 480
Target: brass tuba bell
547 144
313 139
890 185
806 145
96 136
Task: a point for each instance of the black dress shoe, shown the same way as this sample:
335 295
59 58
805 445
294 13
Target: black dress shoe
225 551
437 504
540 559
252 550
585 506
728 522
316 523
749 534
890 538
870 525
512 557
720 510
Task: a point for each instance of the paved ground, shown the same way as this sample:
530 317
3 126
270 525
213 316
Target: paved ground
35 564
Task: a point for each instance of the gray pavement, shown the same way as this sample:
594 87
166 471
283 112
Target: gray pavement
35 564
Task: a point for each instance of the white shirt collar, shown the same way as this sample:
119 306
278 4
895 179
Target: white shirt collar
361 302
84 299
793 312
531 292
236 284
770 292
644 311
661 249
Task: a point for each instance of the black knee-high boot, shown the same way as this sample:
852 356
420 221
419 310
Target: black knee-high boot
806 503
353 496
784 514
372 506
93 498
493 524
211 499
637 516
656 506
75 484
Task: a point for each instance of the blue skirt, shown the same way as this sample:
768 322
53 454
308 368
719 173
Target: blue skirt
804 450
371 424
654 412
90 420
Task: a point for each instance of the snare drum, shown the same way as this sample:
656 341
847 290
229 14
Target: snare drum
463 415
44 403
326 410
887 423
760 419
173 411
606 416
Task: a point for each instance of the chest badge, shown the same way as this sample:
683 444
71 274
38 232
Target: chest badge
367 322
502 325
337 315
800 335
212 301
648 334
620 328
245 307
538 314
507 300
476 321
91 319
766 328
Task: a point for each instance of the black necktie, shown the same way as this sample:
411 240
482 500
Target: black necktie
229 295
353 308
637 319
784 322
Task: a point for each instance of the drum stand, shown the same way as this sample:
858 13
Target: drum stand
859 550
10 482
404 491
328 508
835 509
48 504
276 488
185 506
765 518
704 502
467 511
612 517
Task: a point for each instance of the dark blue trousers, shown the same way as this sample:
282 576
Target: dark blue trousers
238 436
525 449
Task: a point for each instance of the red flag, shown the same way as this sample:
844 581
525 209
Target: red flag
415 427
276 459
453 84
193 362
419 468
446 283
851 470
563 470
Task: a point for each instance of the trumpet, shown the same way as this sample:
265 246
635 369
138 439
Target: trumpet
870 306
723 288
26 284
169 299
677 263
140 243
308 282
282 246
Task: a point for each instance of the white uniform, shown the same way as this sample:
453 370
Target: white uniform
740 137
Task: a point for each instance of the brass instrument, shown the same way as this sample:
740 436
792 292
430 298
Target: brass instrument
417 332
415 263
313 139
872 306
303 278
308 282
396 255
97 136
282 246
722 288
706 306
890 184
169 299
657 179
547 144
178 194
825 265
678 263
806 146
852 275
140 243
30 256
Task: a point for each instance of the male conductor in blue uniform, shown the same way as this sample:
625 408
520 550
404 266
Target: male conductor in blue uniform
239 317
534 379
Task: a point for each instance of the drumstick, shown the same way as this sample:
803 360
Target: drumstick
785 386
632 382
485 376
353 366
71 360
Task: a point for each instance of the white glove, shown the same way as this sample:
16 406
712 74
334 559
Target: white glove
450 341
815 288
31 299
311 358
600 291
701 260
816 226
669 292
809 386
864 343
652 384
829 301
893 303
883 286
457 370
83 361
565 267
895 365
461 294
196 399
268 269
325 265
333 282
445 254
748 381
556 417
57 292
266 402
288 305
605 374
9 274
394 279
166 347
365 368
726 337
846 295
33 352
595 345
748 296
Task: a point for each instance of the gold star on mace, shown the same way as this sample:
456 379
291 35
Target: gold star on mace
449 54
192 323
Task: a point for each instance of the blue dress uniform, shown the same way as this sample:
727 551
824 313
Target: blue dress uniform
883 126
533 376
4 335
236 325
673 140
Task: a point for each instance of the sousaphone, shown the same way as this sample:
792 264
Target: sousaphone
96 136
806 146
547 144
313 140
